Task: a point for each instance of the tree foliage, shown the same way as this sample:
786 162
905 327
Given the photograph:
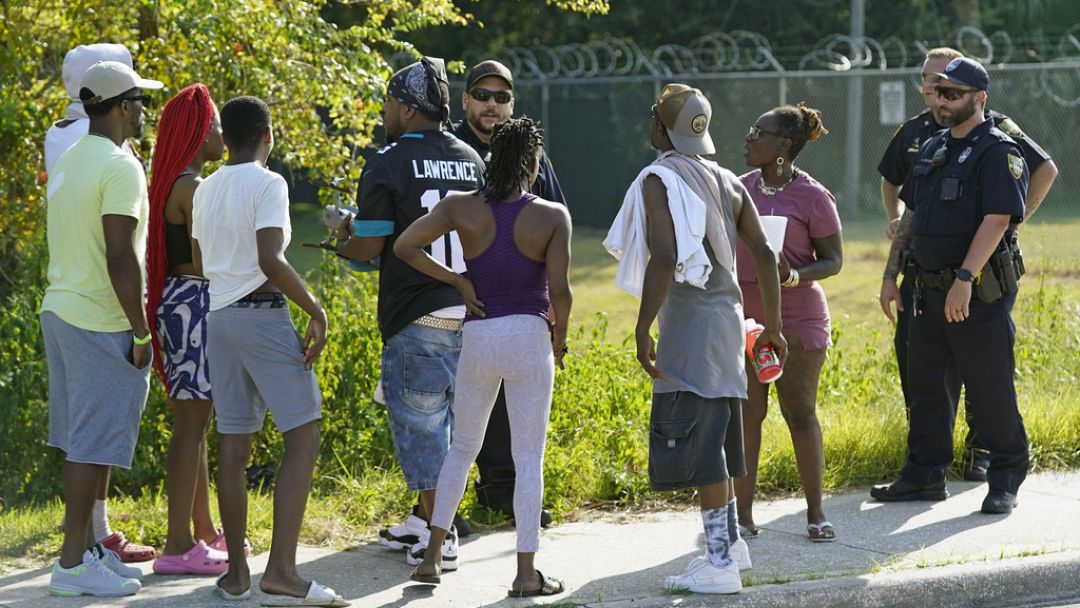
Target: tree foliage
323 82
793 27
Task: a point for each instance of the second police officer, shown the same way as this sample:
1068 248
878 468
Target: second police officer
965 195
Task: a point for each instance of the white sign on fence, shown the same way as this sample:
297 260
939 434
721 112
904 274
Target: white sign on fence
891 103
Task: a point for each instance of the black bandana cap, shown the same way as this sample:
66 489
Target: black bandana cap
423 85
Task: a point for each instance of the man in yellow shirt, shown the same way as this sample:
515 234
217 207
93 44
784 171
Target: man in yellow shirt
92 317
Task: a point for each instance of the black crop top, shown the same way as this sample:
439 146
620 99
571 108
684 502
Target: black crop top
177 244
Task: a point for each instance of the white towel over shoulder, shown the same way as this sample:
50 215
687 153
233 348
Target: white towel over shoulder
626 240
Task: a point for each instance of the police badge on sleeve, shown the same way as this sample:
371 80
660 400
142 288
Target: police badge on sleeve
1016 166
1010 128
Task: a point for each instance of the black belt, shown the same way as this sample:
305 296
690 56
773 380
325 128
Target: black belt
261 300
942 279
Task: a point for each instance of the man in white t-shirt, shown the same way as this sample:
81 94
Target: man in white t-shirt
64 133
240 227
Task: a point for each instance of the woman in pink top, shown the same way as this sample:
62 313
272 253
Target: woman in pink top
813 250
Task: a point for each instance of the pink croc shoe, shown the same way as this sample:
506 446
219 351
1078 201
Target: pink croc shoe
219 544
199 559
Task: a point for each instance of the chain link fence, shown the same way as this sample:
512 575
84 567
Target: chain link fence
594 101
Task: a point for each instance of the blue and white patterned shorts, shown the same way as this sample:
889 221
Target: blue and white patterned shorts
181 326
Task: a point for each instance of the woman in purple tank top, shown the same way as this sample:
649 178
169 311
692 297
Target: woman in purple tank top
517 292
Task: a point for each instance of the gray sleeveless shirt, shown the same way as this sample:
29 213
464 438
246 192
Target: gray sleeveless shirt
701 330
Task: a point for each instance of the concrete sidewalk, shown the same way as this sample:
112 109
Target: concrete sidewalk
901 554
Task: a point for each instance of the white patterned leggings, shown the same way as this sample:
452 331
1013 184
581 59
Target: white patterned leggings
514 350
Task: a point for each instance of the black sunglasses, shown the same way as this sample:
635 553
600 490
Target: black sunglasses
482 95
145 99
756 132
952 93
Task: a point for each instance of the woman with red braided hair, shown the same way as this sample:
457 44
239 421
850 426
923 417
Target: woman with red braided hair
189 135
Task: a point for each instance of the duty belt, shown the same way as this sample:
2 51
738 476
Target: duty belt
439 323
942 279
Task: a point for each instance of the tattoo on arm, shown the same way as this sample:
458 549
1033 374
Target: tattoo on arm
900 242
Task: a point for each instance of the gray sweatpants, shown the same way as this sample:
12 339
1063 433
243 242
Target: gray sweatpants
515 351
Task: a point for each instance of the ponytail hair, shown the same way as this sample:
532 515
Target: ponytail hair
801 124
183 127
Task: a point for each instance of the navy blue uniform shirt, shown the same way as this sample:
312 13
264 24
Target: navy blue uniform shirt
546 185
900 156
954 184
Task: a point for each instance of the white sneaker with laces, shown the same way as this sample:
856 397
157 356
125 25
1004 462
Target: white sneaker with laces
113 562
405 535
740 552
91 577
701 576
449 552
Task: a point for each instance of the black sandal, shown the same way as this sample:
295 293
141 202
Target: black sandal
427 579
548 586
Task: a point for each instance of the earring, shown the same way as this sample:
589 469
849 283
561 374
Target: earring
779 166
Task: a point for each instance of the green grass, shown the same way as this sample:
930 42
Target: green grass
597 450
1051 251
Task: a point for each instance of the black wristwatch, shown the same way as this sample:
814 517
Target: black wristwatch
965 275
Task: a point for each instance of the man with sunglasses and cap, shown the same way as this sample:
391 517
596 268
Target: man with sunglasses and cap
894 167
97 341
675 240
488 100
420 318
965 196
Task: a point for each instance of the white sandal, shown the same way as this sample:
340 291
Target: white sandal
317 595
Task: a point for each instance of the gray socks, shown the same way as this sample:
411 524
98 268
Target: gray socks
717 541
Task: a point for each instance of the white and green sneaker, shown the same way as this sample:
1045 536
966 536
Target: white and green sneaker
113 562
91 577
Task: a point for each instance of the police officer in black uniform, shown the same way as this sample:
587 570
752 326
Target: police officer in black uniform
488 100
894 167
965 196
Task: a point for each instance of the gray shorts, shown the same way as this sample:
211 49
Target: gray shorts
257 358
694 441
96 396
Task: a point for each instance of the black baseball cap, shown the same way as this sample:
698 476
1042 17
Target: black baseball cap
966 71
489 68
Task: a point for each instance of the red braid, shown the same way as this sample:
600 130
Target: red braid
184 124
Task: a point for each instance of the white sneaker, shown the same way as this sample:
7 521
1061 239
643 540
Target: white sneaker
449 552
91 577
701 576
402 536
740 552
113 562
